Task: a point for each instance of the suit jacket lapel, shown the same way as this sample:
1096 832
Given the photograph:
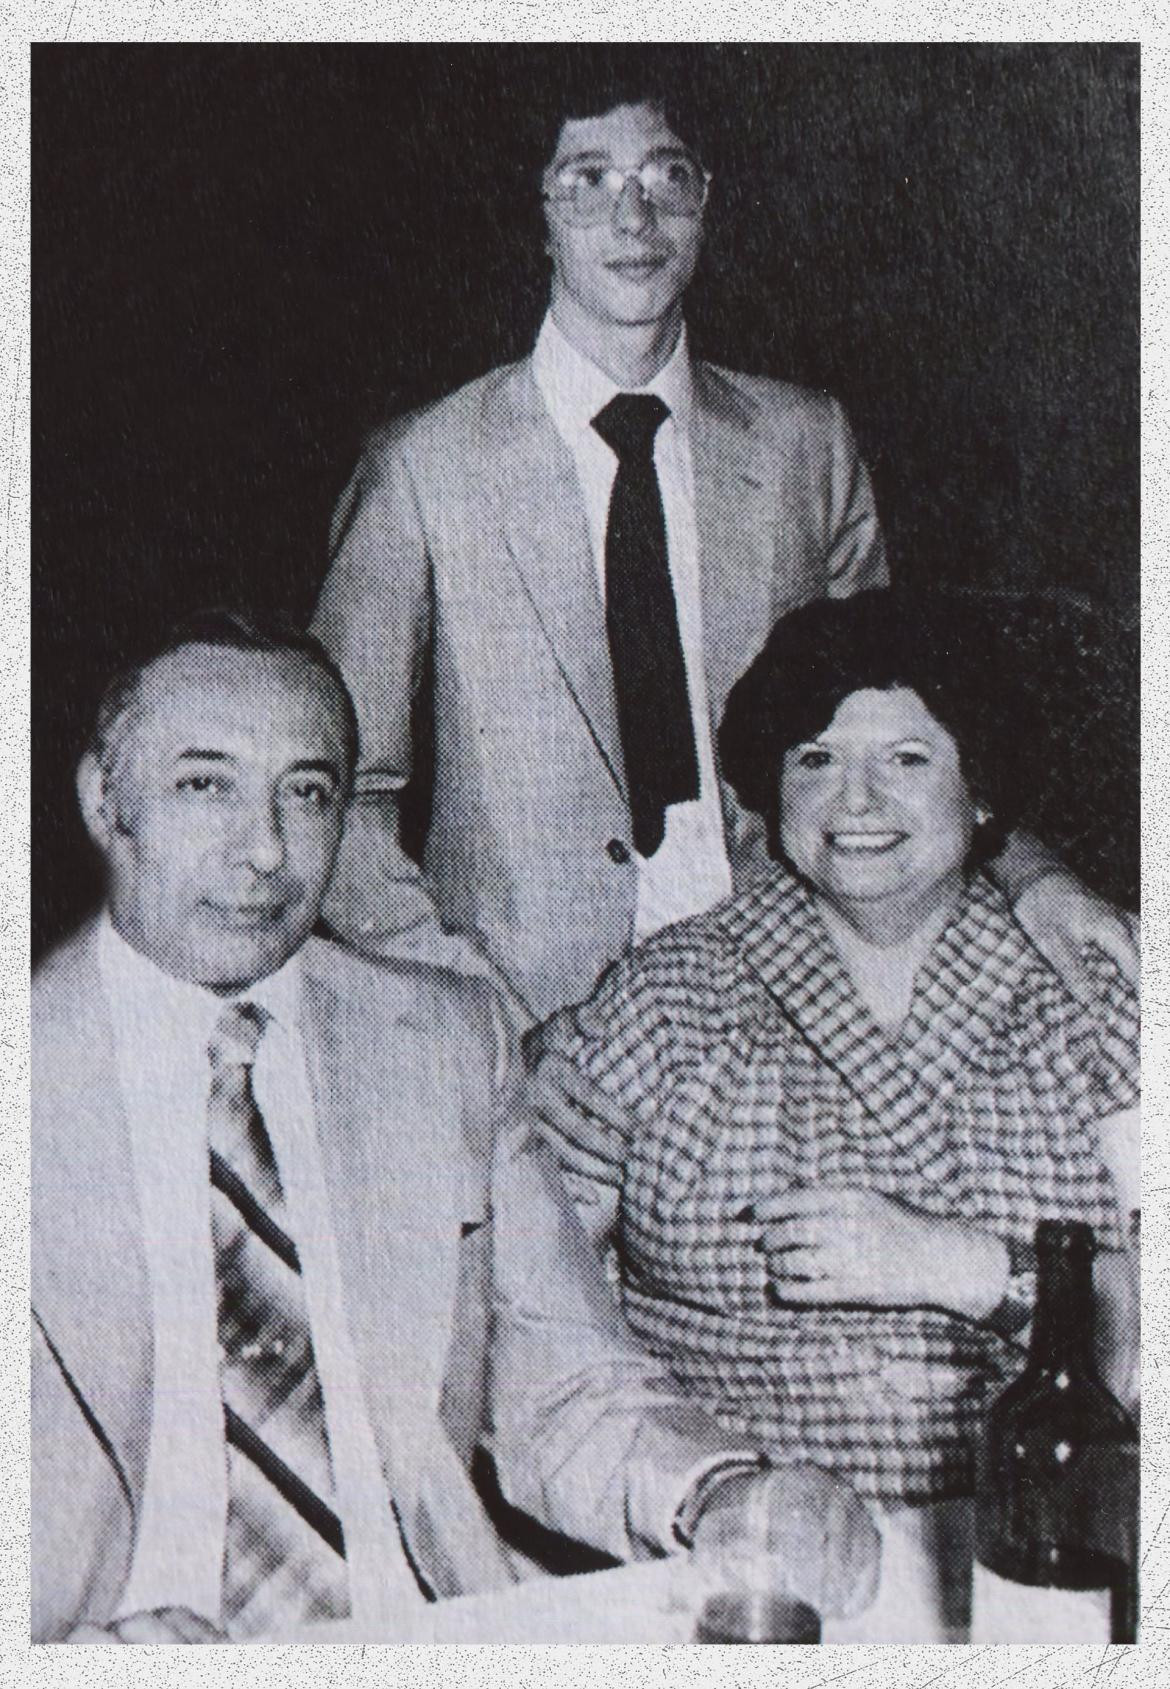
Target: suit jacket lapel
386 1117
390 1125
734 515
547 540
93 1302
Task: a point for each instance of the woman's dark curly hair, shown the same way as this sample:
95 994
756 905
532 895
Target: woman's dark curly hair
935 645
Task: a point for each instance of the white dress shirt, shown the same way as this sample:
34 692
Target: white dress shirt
689 872
161 1031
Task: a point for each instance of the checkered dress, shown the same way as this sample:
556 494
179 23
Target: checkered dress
749 1064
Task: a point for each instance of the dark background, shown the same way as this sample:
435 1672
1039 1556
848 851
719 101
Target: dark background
244 256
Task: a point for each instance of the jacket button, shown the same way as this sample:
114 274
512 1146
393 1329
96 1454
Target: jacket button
618 852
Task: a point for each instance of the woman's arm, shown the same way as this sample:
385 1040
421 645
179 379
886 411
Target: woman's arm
1117 1340
832 1247
859 1248
1117 1273
586 1127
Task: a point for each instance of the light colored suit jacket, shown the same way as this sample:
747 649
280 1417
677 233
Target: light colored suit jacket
462 538
438 1237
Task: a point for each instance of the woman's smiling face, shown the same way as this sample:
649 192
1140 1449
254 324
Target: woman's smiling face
877 806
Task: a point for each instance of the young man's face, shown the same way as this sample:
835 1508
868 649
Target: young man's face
633 266
221 818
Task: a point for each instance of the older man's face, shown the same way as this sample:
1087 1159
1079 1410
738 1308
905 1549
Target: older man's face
222 814
634 266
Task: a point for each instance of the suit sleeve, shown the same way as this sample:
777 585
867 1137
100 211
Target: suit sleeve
590 1433
79 1508
373 617
857 554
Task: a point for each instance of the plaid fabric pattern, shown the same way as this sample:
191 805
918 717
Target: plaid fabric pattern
749 1064
284 1551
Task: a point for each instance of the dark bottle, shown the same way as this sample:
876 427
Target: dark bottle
1056 1486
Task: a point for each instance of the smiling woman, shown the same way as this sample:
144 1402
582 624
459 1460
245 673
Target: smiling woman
851 1091
877 815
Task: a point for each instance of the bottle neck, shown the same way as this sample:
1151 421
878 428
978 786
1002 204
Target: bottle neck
1062 1327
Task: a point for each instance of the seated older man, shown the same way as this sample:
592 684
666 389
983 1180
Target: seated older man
273 1205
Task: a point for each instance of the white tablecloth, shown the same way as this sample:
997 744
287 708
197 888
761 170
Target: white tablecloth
658 1602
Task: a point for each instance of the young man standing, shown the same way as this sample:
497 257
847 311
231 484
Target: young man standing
583 551
593 543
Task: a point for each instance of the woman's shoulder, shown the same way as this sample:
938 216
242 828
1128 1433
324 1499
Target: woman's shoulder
699 941
707 951
1098 1030
686 969
1113 993
654 1010
1105 1032
687 977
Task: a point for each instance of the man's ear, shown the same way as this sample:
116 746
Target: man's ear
96 802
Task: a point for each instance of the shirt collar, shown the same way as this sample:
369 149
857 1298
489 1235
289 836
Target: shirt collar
575 389
141 988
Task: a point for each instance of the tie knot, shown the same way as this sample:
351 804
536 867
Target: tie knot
629 423
237 1034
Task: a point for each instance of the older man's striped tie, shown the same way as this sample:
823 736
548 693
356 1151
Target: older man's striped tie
284 1552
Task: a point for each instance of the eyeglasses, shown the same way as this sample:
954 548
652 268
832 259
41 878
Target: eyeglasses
587 193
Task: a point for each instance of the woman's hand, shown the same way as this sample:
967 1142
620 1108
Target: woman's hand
853 1246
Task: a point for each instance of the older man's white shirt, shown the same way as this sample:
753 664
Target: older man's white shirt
162 1027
